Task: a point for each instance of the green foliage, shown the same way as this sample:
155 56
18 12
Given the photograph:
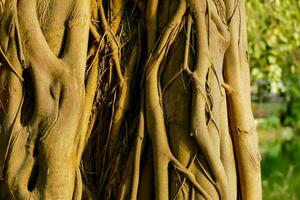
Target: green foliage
274 38
293 113
280 166
274 47
270 123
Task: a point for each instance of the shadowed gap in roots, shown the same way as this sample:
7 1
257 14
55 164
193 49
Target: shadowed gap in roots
29 99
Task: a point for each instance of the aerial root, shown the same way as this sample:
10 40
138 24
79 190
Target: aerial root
184 180
131 175
78 185
206 173
171 81
167 157
123 101
138 153
6 61
202 100
112 41
227 87
190 176
192 194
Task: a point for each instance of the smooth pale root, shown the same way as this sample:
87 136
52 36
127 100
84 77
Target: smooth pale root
47 142
242 125
151 20
194 135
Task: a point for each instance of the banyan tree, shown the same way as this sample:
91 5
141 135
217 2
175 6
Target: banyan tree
126 99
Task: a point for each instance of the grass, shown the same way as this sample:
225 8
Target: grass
280 149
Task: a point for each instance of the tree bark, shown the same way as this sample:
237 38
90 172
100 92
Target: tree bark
122 99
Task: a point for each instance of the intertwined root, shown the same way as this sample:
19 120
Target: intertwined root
120 100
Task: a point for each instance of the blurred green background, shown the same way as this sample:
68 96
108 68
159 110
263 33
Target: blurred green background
274 49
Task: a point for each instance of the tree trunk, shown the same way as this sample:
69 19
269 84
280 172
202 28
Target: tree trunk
121 99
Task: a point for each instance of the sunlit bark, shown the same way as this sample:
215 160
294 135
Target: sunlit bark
123 99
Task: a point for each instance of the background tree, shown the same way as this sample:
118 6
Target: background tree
274 43
274 49
126 99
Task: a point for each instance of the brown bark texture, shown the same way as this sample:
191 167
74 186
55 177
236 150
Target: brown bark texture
126 99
